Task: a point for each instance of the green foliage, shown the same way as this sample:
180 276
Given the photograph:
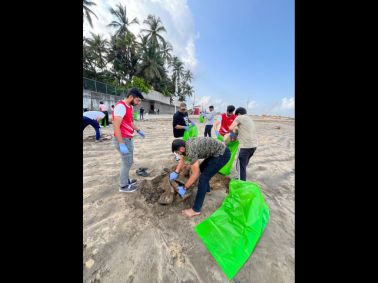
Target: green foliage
139 83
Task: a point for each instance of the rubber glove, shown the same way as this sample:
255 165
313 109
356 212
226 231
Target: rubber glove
216 133
123 148
181 191
186 128
173 176
141 133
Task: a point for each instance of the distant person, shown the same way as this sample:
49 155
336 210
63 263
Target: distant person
158 111
209 121
112 111
247 139
224 121
180 121
215 155
141 111
104 109
123 136
92 118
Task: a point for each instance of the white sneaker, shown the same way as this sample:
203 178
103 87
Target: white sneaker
128 188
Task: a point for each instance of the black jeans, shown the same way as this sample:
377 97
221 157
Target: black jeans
208 130
105 120
245 155
208 168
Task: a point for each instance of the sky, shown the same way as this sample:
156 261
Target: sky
241 52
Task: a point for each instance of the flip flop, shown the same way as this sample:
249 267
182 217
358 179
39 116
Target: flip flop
142 173
142 168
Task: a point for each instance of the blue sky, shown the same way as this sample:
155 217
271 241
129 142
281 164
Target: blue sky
239 51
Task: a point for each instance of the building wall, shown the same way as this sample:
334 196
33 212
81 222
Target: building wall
152 100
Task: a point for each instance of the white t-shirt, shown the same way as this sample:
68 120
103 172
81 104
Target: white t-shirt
94 115
120 110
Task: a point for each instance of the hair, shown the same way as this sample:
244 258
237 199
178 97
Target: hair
230 108
241 111
212 107
177 143
101 102
135 93
112 105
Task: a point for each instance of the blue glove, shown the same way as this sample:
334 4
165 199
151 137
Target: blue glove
186 128
193 124
141 133
181 191
173 176
216 133
232 135
123 148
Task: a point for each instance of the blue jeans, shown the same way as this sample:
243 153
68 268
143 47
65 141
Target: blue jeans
126 160
208 168
88 121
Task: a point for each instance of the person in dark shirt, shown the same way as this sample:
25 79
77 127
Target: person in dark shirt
181 121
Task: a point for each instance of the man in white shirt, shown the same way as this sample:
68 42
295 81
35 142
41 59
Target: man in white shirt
92 118
209 121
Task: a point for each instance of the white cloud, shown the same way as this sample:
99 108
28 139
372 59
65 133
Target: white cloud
175 16
287 103
252 104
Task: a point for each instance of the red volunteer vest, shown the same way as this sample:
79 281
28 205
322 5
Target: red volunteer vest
127 130
226 123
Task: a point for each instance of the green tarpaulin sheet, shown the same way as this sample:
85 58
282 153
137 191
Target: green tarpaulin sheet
232 232
233 147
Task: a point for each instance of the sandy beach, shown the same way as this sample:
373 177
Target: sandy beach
129 237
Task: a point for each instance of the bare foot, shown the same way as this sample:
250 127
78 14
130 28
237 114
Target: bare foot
190 213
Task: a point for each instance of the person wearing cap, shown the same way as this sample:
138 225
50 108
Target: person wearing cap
224 121
181 121
123 136
247 139
215 155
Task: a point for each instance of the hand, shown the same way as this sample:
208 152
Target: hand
216 133
123 148
181 191
193 124
186 128
232 135
141 133
173 176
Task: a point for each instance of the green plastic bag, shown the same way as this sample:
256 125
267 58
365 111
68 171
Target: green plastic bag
232 232
201 119
191 133
233 147
135 116
220 138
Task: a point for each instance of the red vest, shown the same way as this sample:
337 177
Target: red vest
226 123
127 130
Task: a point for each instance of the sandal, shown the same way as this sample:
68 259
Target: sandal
142 173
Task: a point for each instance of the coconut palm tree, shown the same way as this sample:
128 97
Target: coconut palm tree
155 27
122 22
98 47
87 12
166 49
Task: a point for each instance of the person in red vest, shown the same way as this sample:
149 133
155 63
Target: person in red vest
123 136
224 121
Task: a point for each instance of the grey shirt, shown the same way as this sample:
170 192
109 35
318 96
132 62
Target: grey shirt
247 131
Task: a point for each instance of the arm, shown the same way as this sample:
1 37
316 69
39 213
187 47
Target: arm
179 165
117 131
217 123
194 175
233 125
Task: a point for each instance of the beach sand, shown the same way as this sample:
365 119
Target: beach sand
128 237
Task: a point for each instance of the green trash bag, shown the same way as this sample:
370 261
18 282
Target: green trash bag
233 147
191 133
201 119
220 138
135 116
232 232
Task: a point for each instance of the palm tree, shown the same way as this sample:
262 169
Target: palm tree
122 21
155 26
188 76
98 47
88 12
178 68
166 49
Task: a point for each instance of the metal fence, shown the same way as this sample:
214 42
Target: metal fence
97 86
